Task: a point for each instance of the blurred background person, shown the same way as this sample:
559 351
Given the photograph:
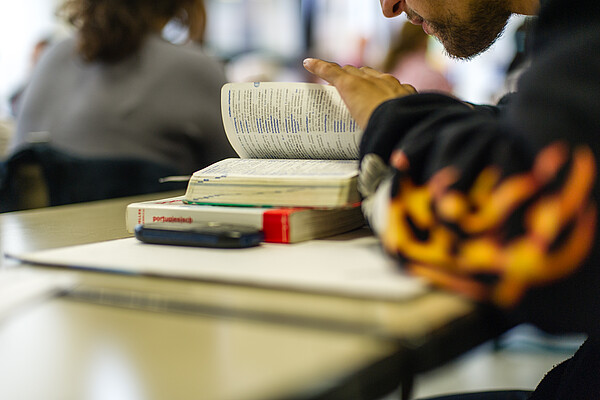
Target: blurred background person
117 89
38 49
407 60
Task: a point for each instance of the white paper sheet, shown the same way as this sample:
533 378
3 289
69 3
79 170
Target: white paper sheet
354 267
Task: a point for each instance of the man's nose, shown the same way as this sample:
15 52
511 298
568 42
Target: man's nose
391 8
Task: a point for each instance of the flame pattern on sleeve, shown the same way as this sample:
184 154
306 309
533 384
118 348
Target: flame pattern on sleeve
459 240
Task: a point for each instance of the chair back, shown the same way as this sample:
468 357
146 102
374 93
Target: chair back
40 175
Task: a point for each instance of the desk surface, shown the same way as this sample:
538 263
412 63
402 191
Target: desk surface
231 342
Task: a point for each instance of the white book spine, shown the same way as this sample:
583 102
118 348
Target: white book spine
175 211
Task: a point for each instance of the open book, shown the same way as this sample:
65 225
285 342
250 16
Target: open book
298 146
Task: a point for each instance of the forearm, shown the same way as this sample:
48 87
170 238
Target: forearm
475 210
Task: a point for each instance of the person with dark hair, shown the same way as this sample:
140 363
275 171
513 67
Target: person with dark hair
118 89
497 203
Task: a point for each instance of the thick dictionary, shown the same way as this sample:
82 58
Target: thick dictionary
279 224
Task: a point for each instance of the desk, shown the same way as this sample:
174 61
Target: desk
235 343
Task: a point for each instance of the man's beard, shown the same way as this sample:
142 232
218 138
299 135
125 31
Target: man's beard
465 40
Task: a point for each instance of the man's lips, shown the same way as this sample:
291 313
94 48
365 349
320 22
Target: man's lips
416 20
426 28
412 16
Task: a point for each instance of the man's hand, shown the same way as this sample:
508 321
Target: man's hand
362 89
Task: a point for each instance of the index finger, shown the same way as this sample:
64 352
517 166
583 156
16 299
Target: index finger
327 71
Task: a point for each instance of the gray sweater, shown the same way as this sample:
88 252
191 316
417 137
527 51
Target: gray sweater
161 104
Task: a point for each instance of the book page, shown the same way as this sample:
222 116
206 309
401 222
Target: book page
288 120
269 168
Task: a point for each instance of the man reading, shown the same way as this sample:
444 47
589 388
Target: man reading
498 203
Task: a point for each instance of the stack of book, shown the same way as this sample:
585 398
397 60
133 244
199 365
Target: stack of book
296 178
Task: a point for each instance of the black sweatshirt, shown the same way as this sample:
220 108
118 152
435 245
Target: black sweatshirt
500 203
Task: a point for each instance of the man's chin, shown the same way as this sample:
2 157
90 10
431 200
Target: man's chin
463 51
